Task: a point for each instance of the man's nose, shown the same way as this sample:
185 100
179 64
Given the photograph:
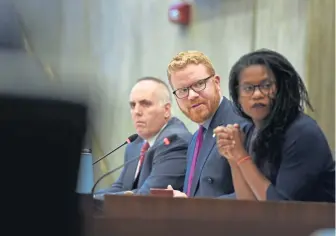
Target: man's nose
192 94
137 110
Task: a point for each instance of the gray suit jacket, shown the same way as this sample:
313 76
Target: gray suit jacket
212 176
163 164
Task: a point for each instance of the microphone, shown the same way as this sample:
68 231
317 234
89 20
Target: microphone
112 171
128 140
166 142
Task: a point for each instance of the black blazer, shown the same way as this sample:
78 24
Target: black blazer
307 170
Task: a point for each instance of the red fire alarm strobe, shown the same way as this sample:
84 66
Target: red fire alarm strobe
179 13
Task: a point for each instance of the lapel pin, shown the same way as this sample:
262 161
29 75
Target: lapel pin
166 141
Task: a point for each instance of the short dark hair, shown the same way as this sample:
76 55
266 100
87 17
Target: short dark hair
290 99
154 79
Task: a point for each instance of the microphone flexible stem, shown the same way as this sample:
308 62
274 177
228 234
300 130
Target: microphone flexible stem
108 153
111 172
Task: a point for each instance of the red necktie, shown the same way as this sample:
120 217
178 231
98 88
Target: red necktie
143 151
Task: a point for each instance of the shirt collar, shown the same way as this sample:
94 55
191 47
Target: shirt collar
152 140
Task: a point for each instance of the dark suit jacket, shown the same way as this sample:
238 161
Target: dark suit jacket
163 164
212 176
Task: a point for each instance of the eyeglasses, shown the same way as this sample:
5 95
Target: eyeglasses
247 90
196 87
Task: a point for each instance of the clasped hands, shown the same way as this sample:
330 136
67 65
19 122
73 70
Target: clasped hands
230 142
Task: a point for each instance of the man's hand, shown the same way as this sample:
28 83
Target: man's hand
177 193
128 193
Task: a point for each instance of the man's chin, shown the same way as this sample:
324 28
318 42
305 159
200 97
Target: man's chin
198 118
140 133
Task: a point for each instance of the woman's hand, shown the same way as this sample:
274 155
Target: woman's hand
230 142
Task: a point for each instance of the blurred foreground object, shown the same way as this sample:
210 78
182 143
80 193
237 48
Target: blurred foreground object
42 130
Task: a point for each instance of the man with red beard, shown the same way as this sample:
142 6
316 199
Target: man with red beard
197 92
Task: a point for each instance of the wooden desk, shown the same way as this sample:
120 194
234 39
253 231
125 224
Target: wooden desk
137 215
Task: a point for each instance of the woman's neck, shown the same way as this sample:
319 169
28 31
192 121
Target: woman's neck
258 124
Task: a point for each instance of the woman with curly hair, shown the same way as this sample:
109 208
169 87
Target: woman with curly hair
284 155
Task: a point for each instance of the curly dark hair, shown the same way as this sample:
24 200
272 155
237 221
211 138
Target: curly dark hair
289 101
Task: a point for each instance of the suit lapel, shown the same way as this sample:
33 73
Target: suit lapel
142 174
131 167
163 132
209 142
207 146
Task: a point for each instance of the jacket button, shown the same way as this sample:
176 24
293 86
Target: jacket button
210 180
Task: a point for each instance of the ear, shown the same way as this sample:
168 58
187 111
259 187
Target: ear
217 81
167 108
